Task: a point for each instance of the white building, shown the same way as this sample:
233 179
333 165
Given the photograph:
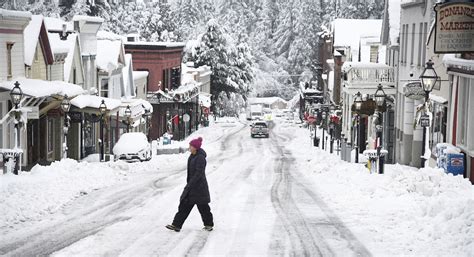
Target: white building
416 21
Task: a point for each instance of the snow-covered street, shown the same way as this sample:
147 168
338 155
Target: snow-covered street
275 196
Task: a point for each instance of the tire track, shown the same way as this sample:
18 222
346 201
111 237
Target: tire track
334 223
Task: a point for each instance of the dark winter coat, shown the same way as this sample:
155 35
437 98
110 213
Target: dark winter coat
196 190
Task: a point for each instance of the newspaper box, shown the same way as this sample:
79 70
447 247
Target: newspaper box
455 163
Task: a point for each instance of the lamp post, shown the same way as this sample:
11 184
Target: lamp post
16 94
331 133
65 106
358 107
380 100
102 110
428 79
146 115
128 116
323 116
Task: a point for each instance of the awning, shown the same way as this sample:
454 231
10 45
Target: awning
43 88
93 102
137 106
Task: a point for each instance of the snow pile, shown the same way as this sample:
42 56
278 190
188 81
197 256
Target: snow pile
131 143
46 188
406 211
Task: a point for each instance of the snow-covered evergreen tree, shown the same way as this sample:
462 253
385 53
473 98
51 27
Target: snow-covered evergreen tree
231 65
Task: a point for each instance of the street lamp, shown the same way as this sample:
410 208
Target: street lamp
323 116
128 116
358 101
102 110
16 94
428 79
65 106
146 115
358 107
380 100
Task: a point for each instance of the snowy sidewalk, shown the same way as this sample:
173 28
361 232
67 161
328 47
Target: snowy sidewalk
406 211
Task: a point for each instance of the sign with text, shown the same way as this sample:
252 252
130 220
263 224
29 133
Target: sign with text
32 113
454 32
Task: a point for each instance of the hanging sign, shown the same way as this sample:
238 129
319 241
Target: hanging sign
425 121
414 91
454 30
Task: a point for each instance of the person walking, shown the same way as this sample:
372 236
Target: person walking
196 191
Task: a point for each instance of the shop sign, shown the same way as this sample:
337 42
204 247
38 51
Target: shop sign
76 117
454 30
32 112
414 91
425 121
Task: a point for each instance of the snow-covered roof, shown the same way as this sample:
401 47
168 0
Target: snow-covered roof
140 75
438 98
92 101
106 35
9 14
394 20
42 88
137 105
189 68
164 44
56 24
67 46
450 60
265 100
205 100
185 88
108 54
31 37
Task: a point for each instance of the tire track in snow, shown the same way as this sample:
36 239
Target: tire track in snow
331 224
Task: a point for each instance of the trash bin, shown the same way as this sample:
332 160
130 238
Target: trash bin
316 141
455 163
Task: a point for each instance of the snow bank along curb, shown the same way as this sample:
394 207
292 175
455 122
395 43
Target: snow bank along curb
416 207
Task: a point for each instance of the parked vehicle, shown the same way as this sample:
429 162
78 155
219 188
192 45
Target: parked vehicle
259 128
132 147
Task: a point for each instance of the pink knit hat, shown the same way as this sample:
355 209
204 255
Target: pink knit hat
196 143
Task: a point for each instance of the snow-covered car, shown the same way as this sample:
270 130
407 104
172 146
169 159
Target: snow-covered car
259 128
132 147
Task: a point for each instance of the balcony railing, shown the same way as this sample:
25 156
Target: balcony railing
369 75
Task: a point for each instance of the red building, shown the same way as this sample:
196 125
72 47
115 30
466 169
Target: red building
162 61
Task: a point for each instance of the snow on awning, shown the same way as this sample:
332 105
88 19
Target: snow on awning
450 60
181 94
438 99
205 100
42 88
92 101
137 106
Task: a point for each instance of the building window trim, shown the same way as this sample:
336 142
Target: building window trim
9 60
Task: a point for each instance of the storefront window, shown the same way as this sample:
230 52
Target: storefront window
463 96
470 115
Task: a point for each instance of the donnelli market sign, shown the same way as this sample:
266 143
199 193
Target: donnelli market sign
454 31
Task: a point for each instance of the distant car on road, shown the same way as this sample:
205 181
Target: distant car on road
259 128
132 147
